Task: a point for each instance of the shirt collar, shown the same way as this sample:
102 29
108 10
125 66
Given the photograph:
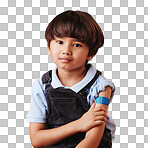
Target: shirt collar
77 87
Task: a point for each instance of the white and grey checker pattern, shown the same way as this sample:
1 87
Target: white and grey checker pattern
123 59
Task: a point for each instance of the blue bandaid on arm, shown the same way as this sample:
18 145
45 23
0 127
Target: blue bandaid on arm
102 100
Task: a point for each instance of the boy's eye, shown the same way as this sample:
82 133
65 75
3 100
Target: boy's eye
59 42
77 45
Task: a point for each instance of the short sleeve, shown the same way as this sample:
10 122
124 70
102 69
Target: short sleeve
104 83
98 86
38 107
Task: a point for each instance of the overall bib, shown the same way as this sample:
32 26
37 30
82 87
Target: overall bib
64 106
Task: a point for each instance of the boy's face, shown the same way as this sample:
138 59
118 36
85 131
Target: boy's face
68 53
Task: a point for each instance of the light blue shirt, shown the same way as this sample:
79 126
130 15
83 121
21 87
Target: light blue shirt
38 105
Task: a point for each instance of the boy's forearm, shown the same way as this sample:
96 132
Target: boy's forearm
41 137
93 137
48 137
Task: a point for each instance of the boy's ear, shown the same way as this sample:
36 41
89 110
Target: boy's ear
89 58
49 52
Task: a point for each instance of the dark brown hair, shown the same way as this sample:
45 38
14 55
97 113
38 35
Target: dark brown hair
79 25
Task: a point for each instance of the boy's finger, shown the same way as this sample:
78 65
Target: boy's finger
100 109
93 106
102 113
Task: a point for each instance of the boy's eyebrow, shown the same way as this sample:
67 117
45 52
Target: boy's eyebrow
74 39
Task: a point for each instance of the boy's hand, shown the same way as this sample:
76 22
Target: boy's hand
93 117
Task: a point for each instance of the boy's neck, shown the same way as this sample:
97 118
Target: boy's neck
70 78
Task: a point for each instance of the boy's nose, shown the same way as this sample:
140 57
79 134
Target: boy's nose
67 52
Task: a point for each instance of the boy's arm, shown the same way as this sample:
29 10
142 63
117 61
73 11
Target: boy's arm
94 135
41 137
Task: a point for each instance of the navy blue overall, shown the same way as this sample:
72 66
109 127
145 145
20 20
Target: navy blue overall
64 106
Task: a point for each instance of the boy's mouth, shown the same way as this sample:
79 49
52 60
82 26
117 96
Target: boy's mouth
65 60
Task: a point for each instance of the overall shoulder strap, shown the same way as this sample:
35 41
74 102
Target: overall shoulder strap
47 77
94 79
83 90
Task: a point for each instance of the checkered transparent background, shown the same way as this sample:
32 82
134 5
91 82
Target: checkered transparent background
123 59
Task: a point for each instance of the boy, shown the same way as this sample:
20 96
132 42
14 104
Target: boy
69 104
